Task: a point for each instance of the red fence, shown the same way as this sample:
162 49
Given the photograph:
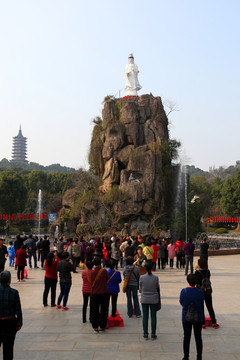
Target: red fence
225 219
23 216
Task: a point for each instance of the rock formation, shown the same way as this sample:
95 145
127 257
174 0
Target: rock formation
129 149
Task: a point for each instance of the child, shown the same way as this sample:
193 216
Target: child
11 253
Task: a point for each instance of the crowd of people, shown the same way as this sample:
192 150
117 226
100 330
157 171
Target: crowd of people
100 259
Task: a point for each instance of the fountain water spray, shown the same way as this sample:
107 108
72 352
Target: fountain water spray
185 198
39 210
56 232
180 207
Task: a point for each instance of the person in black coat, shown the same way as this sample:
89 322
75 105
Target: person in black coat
45 249
10 314
32 248
3 255
202 273
18 243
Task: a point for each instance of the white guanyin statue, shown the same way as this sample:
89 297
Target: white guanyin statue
131 77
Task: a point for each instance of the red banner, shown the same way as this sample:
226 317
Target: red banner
23 216
225 219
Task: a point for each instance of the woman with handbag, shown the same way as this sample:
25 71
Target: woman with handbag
131 276
150 299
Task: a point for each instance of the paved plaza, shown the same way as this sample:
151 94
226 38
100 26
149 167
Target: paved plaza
50 334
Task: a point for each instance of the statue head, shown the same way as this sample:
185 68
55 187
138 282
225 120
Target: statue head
130 58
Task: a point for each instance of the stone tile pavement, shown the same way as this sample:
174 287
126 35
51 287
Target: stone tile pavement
50 334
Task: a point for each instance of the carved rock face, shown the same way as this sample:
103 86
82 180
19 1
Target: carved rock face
113 140
135 131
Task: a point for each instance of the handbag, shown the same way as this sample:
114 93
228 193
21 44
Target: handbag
127 280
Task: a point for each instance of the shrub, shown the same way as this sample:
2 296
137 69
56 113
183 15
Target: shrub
112 196
118 107
83 229
221 231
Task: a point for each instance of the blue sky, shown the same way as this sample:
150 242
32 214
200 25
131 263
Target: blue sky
59 59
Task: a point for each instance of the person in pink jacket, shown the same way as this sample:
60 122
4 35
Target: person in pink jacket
171 253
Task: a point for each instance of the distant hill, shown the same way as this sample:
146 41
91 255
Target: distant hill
223 173
193 171
19 166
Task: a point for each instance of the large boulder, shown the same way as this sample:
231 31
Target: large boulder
133 138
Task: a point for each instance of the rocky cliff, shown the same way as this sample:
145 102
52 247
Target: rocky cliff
130 150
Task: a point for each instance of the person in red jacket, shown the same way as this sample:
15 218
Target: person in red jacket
100 296
179 245
50 279
86 290
106 252
21 262
155 254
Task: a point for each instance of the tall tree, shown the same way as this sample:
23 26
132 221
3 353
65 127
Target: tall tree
13 192
36 180
216 188
230 201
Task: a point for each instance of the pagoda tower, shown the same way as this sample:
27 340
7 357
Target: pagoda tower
19 149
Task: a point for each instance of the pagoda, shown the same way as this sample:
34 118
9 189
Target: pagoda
19 149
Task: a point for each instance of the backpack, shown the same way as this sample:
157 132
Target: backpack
206 286
191 315
179 251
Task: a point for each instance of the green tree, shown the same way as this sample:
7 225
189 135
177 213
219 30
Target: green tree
13 192
36 180
174 145
201 187
57 183
195 212
230 200
216 188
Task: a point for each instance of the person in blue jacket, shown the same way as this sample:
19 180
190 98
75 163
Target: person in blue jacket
190 295
11 253
114 279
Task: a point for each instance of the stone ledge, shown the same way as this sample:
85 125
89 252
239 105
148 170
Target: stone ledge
219 252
